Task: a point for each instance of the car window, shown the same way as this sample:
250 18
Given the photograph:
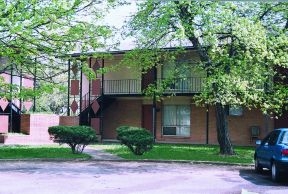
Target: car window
273 138
284 138
266 139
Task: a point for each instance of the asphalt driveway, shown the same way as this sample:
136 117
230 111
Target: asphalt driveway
89 177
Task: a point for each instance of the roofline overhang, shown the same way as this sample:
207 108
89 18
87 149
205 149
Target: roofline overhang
120 52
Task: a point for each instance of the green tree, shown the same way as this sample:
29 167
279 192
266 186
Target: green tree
34 32
241 45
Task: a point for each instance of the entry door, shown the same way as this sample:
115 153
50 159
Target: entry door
147 117
148 78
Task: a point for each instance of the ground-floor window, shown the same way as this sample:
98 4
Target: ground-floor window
176 120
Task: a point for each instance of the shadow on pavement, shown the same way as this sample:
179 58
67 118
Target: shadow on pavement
263 178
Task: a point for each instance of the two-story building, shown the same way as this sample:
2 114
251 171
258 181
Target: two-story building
10 109
116 98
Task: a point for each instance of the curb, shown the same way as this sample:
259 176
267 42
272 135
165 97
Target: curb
179 161
45 160
124 160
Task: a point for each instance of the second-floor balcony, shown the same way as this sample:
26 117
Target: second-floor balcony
126 86
134 86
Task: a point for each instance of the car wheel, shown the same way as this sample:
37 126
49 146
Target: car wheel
275 175
257 166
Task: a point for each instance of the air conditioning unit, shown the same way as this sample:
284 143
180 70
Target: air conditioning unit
169 130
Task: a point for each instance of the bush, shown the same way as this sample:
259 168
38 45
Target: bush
77 137
138 140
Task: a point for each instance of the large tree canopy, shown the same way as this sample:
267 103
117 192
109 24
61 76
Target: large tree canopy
243 47
34 32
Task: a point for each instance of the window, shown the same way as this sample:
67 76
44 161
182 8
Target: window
180 73
183 75
176 120
271 139
235 110
284 138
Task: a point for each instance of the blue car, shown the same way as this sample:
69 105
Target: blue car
272 153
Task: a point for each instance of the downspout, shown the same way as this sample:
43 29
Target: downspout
21 99
80 103
68 94
11 95
102 103
34 86
207 124
207 118
89 96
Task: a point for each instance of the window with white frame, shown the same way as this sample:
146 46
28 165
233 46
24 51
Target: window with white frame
176 120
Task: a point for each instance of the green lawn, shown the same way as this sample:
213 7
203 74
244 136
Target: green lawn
210 153
44 152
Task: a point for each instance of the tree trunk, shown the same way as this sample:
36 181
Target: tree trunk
223 137
187 17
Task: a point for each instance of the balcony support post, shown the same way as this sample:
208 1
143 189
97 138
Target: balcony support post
102 103
154 109
68 93
154 117
207 124
11 96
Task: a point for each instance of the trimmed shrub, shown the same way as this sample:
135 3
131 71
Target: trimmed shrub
138 140
77 137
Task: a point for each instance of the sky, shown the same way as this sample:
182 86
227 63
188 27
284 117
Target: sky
116 18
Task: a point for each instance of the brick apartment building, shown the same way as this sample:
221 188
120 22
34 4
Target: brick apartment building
115 98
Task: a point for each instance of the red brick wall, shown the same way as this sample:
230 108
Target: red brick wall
95 124
25 124
129 112
69 120
239 127
3 137
121 112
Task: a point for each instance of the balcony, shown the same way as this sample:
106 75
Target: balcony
127 86
190 85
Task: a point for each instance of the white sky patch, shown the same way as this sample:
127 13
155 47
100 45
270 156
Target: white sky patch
116 17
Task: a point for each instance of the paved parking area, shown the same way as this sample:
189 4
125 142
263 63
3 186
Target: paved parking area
108 177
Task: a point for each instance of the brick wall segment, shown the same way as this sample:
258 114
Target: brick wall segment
128 112
69 120
121 112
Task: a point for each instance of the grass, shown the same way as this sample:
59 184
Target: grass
42 152
209 153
